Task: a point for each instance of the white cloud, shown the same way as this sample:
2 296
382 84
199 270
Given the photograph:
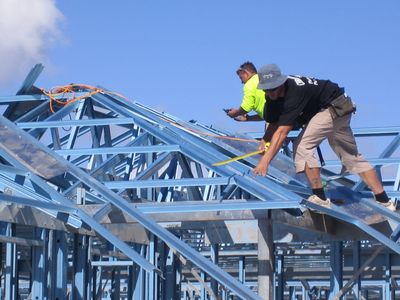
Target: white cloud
27 30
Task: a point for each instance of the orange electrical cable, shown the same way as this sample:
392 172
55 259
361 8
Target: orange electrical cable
72 89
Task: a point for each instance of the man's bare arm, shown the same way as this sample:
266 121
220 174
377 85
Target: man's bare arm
279 135
254 118
269 132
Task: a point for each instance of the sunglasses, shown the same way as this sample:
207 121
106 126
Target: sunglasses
272 90
241 70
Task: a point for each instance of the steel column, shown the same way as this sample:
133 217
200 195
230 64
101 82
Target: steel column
40 266
11 274
171 291
265 259
152 289
80 267
356 266
279 282
58 264
214 248
336 259
387 289
242 269
203 291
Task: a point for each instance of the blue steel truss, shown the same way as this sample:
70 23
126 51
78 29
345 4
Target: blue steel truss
104 154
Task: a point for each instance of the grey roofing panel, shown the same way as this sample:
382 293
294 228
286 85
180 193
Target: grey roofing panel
29 152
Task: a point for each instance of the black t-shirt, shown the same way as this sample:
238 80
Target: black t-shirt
304 98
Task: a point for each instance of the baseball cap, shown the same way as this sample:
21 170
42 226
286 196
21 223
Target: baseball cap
270 77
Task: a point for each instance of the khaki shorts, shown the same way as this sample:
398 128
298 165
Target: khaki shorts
325 125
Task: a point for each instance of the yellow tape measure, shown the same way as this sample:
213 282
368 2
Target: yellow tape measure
224 162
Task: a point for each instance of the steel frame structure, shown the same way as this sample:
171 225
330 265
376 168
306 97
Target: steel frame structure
109 199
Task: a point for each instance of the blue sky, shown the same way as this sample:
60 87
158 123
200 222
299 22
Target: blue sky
181 56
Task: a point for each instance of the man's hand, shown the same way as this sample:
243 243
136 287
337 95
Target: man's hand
261 168
231 112
235 112
242 118
262 145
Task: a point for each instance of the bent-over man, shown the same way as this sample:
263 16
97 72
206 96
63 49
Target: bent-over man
324 111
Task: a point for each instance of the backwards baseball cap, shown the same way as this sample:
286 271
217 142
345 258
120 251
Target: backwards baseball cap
270 77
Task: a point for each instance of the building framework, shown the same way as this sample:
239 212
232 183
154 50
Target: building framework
104 198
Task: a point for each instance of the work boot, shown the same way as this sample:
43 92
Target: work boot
389 205
317 200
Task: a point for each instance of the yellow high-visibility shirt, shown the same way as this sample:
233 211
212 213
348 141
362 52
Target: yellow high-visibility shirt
253 99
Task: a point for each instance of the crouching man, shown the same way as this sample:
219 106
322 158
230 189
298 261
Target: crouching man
324 111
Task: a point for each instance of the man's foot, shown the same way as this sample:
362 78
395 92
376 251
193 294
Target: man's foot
317 200
389 205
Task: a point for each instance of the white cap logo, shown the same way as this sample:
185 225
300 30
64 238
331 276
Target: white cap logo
267 76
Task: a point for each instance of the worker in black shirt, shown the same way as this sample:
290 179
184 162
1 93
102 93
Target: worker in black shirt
324 111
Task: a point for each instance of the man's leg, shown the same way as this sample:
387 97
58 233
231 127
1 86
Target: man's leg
372 181
344 145
319 127
314 177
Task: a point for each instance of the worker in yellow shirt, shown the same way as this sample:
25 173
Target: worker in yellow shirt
253 98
